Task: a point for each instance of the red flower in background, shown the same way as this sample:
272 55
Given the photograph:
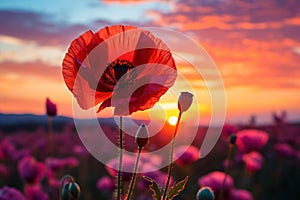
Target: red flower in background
214 180
51 108
35 192
241 195
284 150
102 64
251 140
106 184
253 161
10 193
30 170
187 155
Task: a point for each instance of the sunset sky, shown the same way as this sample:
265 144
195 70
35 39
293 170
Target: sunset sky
255 44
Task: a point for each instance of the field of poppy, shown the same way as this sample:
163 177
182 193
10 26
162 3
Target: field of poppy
263 163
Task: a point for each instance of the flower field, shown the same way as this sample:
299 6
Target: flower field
264 162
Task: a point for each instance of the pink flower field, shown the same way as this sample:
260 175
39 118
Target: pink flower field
267 170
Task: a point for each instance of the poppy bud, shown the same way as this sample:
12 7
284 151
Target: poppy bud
232 139
70 191
142 135
51 108
205 193
185 101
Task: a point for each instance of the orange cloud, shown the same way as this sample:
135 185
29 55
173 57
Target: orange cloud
25 87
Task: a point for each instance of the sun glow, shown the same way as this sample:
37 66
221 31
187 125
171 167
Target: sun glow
172 120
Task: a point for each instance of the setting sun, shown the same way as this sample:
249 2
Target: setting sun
172 120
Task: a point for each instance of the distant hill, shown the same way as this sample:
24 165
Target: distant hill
30 122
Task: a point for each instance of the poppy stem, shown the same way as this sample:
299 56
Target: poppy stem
226 171
120 160
170 167
50 136
132 183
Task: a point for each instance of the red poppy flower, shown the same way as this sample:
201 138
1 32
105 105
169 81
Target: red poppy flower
253 161
284 150
187 155
238 194
214 180
118 66
51 108
251 140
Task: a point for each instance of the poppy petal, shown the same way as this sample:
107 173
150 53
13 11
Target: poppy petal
104 104
77 50
91 82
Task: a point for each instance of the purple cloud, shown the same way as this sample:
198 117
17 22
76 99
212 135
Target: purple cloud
37 27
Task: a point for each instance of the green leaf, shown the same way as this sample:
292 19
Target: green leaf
154 188
176 189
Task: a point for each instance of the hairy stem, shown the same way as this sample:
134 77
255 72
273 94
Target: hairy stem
170 167
120 160
226 171
50 136
132 183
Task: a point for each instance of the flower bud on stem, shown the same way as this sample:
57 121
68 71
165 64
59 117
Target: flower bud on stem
69 190
232 141
141 140
185 101
170 167
205 193
120 160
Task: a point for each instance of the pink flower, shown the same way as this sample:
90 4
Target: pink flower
35 192
30 170
153 161
4 171
186 155
70 162
9 193
253 161
251 140
80 151
240 195
53 182
18 155
56 164
127 166
51 108
284 150
228 130
106 184
7 149
297 155
214 180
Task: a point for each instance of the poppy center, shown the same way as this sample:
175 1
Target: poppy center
120 67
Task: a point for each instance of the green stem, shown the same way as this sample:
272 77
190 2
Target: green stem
226 171
50 137
120 160
132 183
170 167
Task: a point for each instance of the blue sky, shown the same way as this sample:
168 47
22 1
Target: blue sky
87 11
